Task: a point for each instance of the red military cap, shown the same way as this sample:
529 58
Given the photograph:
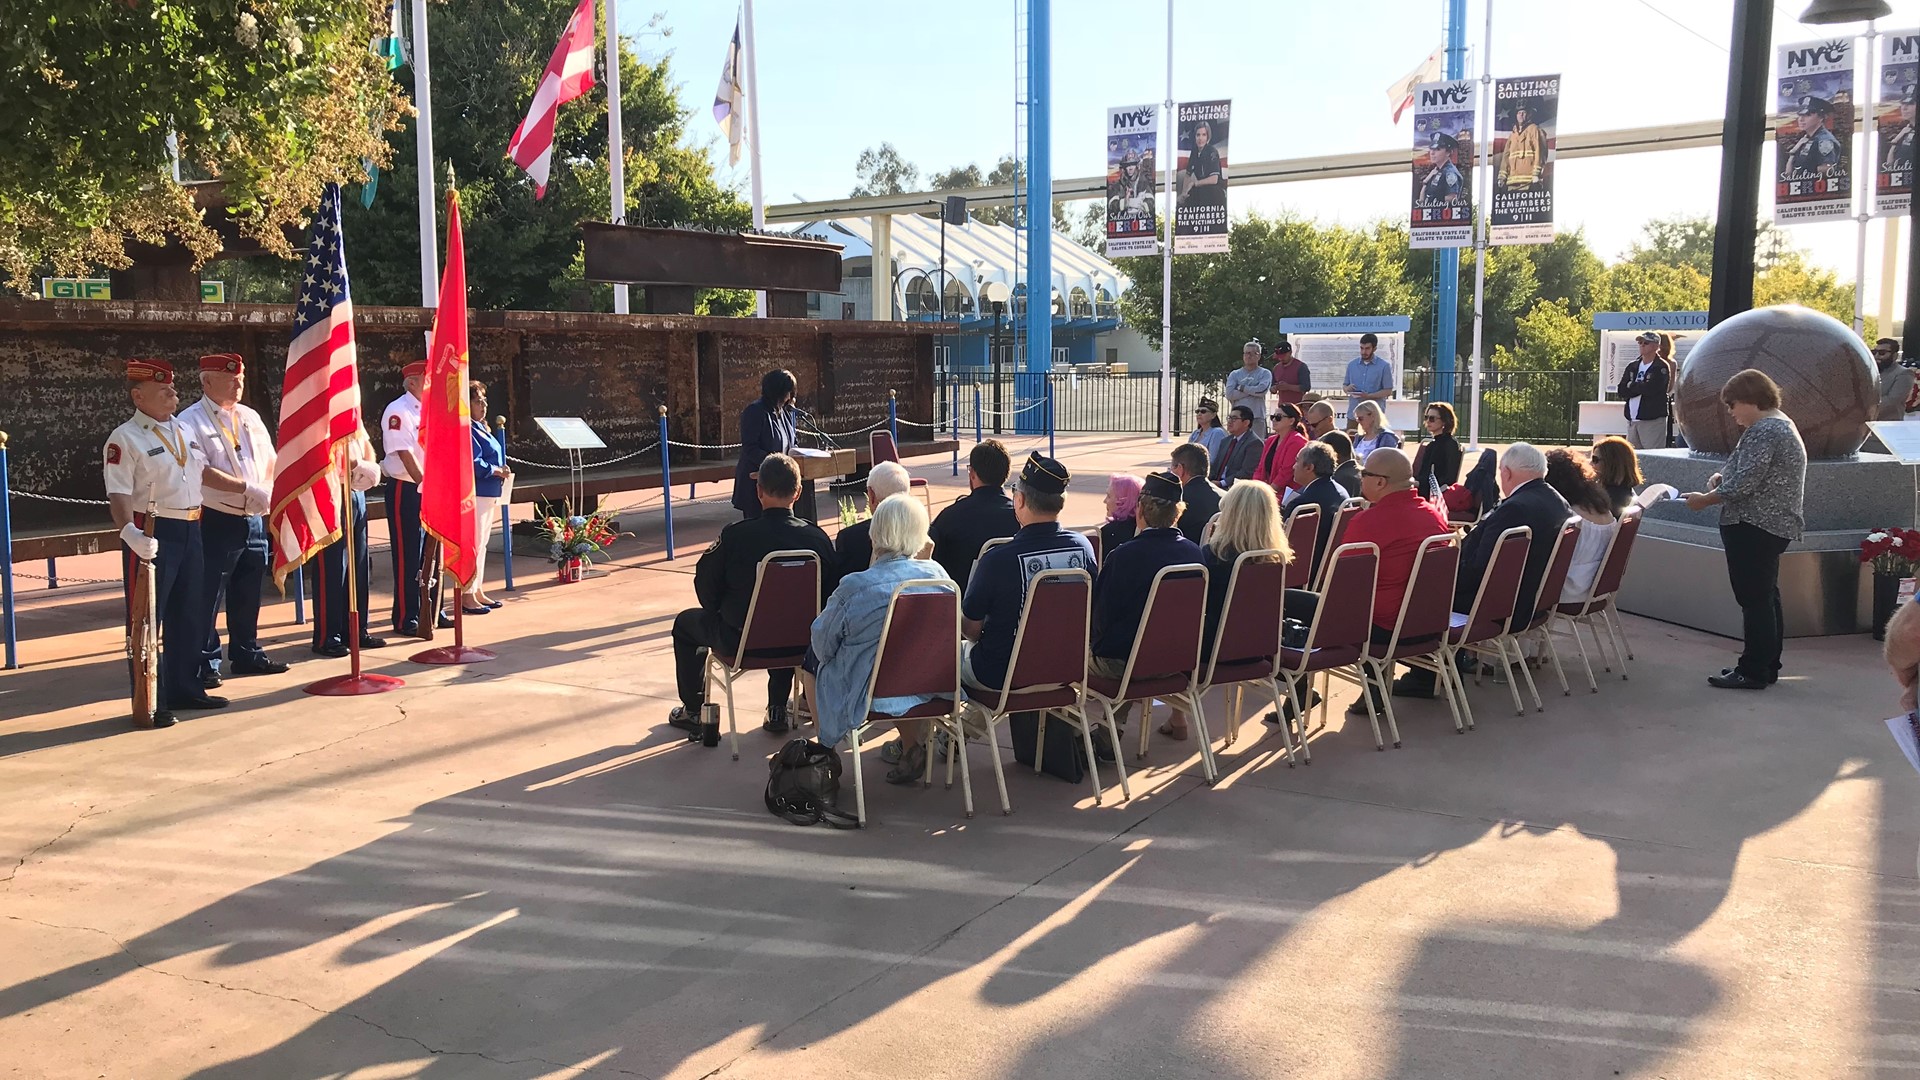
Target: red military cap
415 369
231 363
147 369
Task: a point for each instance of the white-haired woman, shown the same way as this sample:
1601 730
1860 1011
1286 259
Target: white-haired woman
1374 432
846 636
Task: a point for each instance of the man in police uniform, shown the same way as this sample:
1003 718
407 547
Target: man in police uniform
152 461
233 527
330 592
1817 152
1899 157
400 440
723 581
984 513
1442 186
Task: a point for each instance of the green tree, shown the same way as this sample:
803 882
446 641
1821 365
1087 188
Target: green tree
882 171
273 99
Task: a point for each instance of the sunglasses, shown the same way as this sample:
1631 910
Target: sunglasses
1375 475
1435 418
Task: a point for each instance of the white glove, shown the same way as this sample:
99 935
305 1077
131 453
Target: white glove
142 545
259 499
364 475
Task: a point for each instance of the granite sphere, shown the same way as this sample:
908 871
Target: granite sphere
1828 385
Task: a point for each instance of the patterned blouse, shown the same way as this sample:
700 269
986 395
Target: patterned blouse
1765 478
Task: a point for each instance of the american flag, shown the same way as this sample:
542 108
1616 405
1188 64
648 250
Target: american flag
569 74
319 402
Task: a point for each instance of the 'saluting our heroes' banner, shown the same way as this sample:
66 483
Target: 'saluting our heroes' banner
1200 217
1133 225
1893 122
1813 142
1443 164
1526 116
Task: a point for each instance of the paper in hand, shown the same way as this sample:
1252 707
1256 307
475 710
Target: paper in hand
1906 732
1654 493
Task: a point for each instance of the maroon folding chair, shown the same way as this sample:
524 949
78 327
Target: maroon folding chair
1303 537
1163 662
1420 628
1093 537
779 627
1048 672
1482 628
1338 637
919 654
880 443
1246 647
1597 610
1341 519
1545 602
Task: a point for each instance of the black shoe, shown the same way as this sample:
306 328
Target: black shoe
1772 676
210 680
496 603
913 765
333 648
262 666
410 628
776 723
685 720
444 622
481 609
164 718
204 701
368 641
1735 680
1407 686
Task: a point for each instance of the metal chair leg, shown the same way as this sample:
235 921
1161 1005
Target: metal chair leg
1119 757
958 749
1573 627
1513 683
1553 655
1039 740
1366 695
859 785
1198 725
1286 730
1093 763
999 773
1620 643
733 732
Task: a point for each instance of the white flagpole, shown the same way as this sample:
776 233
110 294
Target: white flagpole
1861 177
616 164
423 160
1169 138
753 132
1483 181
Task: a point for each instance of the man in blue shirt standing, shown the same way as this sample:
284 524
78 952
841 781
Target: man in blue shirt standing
1126 579
1369 378
998 588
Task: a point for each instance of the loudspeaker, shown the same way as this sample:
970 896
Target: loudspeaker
956 210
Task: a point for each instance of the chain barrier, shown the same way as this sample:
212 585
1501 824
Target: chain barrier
583 465
703 446
64 579
876 425
1030 406
57 499
904 422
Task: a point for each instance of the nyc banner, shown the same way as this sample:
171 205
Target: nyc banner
1133 224
1814 137
1443 164
1893 122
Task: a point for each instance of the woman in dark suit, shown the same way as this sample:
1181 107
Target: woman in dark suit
1438 462
766 427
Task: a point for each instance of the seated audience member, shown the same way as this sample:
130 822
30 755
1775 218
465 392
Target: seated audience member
1617 467
1570 475
723 581
1240 454
1374 432
1123 497
991 611
1249 521
854 550
984 513
1126 577
1313 476
1526 500
1318 419
1202 499
1276 458
846 636
1398 520
1437 465
1207 430
1346 471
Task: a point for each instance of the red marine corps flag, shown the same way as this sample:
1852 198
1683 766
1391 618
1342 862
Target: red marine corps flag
569 74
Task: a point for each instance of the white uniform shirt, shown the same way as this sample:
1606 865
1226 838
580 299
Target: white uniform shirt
155 461
400 430
236 443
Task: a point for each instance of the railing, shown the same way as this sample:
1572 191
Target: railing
1516 406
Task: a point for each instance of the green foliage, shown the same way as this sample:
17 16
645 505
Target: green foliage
882 171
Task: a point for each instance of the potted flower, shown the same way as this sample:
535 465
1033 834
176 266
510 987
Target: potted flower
1892 553
574 539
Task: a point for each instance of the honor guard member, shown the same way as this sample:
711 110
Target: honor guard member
1900 148
153 461
998 588
1817 151
330 592
400 440
233 526
1442 185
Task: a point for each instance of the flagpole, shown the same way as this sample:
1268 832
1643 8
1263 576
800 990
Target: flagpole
423 160
1862 174
1170 137
753 134
616 155
354 683
1482 182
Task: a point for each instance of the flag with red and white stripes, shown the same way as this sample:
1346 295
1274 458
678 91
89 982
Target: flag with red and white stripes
319 401
569 74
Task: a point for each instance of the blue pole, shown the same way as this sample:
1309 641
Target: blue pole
893 417
299 596
1050 452
953 425
1446 262
6 558
53 575
1039 229
506 510
666 479
978 435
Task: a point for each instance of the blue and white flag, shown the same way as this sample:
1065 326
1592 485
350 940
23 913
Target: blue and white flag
729 101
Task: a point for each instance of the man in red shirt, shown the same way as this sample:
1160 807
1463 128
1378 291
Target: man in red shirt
1291 379
1399 520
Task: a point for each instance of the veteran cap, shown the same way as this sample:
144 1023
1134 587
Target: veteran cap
1042 473
146 369
414 370
231 363
1162 485
1649 337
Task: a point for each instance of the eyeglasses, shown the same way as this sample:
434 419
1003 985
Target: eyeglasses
1435 418
1375 475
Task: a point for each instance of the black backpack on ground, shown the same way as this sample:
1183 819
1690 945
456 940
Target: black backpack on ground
803 785
1064 754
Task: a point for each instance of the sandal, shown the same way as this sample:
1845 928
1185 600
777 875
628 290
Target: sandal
1177 734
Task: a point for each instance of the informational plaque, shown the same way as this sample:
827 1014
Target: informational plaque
1900 437
570 433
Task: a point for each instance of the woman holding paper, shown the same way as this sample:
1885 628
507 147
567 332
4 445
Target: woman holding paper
766 427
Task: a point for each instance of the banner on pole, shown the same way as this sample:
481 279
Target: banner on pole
1443 164
1814 179
1893 122
1526 116
1200 208
1133 225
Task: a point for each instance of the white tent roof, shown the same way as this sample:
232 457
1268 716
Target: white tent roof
977 253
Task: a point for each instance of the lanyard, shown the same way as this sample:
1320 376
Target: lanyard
232 435
179 452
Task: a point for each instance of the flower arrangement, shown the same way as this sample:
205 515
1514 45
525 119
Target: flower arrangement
574 539
850 511
1893 552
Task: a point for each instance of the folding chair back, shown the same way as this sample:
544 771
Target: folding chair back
1344 622
786 600
1427 607
1165 657
1613 569
919 649
1050 649
1207 530
1554 581
1493 603
1341 519
1093 537
881 443
1248 637
1303 536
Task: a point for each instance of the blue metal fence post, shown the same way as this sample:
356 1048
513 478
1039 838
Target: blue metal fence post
506 507
299 596
953 423
666 479
978 436
53 575
1050 452
893 417
6 558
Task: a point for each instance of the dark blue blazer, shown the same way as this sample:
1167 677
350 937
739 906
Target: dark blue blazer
488 455
764 429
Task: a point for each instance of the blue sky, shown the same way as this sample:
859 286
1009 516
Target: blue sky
838 76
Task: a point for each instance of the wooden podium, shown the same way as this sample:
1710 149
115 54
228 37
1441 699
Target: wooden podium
821 465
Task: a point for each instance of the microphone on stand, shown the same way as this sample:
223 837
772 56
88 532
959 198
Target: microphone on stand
825 439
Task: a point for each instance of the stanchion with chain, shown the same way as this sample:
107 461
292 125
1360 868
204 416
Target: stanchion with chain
6 558
953 420
53 576
506 507
666 480
978 435
893 418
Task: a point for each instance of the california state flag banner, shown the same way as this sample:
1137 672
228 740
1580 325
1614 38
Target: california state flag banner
446 433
